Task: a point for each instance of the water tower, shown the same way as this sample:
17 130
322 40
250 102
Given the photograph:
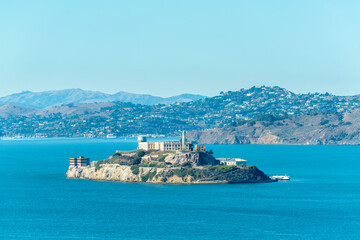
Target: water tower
141 139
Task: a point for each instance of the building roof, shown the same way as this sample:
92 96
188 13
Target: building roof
232 159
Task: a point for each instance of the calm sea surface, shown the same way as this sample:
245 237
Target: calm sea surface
322 201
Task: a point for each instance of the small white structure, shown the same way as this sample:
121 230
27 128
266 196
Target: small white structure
232 162
141 139
110 136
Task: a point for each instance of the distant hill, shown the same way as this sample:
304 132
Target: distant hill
46 99
306 129
8 110
255 115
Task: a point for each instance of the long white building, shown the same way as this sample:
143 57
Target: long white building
181 145
232 161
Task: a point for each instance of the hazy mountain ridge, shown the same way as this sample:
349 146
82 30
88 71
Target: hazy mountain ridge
41 100
233 109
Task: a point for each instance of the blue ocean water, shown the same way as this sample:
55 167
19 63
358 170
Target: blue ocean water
322 201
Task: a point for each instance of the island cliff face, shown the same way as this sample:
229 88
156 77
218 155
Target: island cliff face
187 168
116 172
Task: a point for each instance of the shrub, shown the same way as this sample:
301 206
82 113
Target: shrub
225 169
135 161
135 169
154 164
143 165
186 165
117 154
180 172
162 158
140 153
148 176
97 165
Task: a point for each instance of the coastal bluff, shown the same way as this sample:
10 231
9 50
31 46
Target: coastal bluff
166 168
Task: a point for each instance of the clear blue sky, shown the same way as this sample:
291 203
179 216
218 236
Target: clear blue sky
170 47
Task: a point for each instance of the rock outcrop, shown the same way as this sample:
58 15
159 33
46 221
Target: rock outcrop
114 172
193 158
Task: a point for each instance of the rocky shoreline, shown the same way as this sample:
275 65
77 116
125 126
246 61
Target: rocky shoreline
187 168
115 172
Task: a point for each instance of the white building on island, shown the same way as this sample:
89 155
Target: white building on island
181 145
232 161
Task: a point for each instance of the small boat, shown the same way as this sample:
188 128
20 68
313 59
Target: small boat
111 136
280 177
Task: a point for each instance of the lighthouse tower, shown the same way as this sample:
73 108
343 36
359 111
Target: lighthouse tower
183 140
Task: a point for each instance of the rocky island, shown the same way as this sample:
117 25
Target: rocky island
167 162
